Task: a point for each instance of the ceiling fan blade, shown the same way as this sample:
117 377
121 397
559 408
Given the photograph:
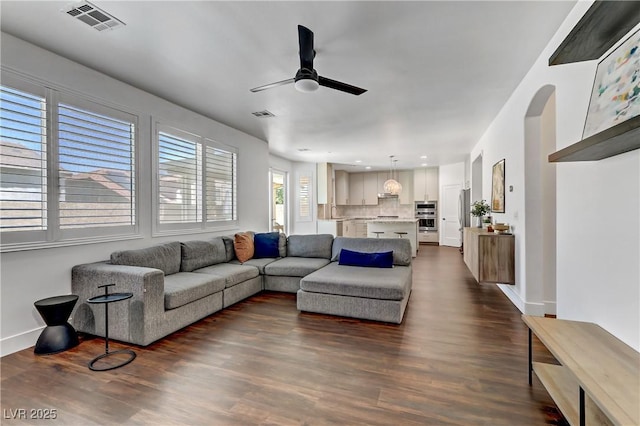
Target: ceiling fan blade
272 85
305 39
344 87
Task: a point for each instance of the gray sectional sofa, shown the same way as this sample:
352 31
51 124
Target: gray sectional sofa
177 283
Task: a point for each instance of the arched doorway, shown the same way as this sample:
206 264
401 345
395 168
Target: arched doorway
540 202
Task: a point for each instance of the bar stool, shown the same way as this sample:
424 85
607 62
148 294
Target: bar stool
377 233
400 233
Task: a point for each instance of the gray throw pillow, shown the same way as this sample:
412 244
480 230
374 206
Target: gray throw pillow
282 245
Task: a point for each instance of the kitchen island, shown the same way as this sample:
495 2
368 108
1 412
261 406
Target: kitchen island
389 226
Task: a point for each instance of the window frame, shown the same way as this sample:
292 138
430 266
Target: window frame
53 236
202 225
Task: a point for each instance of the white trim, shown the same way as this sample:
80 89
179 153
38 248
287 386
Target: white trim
528 308
18 342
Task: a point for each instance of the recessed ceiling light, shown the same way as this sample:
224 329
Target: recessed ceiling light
423 157
368 167
358 161
303 149
423 164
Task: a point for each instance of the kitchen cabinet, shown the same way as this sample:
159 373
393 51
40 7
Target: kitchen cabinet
405 177
348 228
324 172
490 257
363 189
425 184
341 188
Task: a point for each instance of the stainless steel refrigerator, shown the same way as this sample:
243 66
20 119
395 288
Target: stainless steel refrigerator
464 208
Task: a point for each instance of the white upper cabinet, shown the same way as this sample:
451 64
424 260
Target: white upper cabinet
363 189
425 184
342 187
370 189
405 177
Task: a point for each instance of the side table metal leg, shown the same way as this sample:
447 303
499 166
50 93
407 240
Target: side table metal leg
582 408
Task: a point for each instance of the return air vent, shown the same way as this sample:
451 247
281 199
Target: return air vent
93 16
263 114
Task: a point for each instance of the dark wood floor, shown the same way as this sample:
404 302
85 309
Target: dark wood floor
460 357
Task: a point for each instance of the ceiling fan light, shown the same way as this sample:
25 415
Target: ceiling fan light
306 85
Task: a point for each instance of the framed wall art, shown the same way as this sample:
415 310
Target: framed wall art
615 96
497 187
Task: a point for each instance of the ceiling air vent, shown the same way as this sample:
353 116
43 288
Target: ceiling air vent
263 114
94 16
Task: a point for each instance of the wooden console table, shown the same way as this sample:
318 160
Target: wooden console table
598 381
490 257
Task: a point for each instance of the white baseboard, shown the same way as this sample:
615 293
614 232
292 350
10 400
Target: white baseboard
21 341
528 308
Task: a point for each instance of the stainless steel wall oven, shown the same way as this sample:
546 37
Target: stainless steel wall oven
427 215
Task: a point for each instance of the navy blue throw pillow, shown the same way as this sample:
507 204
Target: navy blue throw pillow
266 245
371 260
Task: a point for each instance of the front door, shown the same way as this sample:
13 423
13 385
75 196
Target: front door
450 226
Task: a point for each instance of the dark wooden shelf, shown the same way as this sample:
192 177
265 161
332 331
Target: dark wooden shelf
621 138
601 27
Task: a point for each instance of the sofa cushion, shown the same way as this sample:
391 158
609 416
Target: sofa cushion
282 245
228 247
266 245
294 266
401 247
165 257
371 283
310 245
186 287
258 263
243 246
232 273
369 260
198 254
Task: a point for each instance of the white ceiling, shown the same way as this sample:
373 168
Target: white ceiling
437 73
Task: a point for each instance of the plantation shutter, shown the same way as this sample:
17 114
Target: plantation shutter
23 161
179 179
304 198
96 168
220 171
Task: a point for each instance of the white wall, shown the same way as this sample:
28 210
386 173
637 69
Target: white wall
598 272
27 276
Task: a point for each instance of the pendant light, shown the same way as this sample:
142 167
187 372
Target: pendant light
392 186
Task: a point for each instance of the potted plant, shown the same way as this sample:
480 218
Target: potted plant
479 209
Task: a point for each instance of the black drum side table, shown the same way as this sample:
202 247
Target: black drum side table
106 299
58 335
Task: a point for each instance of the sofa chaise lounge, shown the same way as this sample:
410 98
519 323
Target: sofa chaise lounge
177 283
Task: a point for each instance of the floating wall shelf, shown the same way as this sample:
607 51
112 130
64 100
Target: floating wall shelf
621 138
602 26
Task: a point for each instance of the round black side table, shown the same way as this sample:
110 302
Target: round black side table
58 335
106 299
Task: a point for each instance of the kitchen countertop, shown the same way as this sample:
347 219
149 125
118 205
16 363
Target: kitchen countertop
393 220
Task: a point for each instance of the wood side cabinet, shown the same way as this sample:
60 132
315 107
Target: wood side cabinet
490 257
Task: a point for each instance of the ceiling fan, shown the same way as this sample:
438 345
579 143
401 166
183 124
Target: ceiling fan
307 79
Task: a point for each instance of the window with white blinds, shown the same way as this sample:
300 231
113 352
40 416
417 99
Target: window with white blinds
179 179
220 185
23 161
96 179
196 181
304 198
67 167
